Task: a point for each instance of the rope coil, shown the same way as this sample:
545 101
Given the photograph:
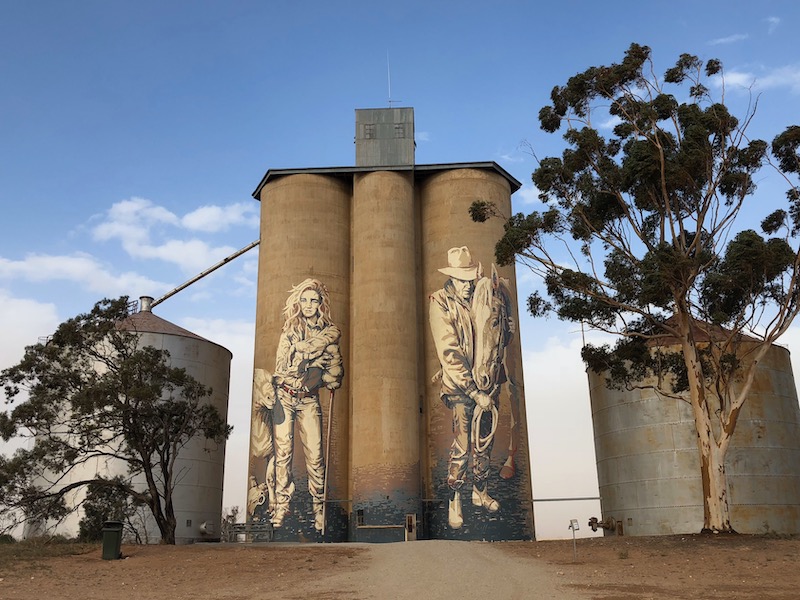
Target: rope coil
482 443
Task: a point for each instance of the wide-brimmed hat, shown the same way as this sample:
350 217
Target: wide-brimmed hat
460 265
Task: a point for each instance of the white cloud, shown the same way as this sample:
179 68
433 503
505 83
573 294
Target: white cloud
79 268
736 79
422 136
788 76
731 39
512 158
610 123
137 222
130 222
527 195
560 425
192 256
772 24
781 77
22 322
220 218
249 264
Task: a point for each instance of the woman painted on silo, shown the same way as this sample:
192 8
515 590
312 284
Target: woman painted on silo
307 360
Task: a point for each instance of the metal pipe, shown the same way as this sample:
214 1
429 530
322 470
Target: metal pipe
224 261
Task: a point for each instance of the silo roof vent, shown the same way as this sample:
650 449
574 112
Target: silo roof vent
145 303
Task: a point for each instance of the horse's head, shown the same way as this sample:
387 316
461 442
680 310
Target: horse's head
490 314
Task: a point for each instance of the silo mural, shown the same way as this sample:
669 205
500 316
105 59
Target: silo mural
299 454
308 361
414 337
471 326
494 497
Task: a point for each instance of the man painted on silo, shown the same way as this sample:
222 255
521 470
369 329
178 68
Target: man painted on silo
454 338
307 360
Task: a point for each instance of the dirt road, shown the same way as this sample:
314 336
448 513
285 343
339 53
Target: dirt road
657 568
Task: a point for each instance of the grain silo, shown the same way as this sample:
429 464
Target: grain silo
648 463
356 377
198 469
197 496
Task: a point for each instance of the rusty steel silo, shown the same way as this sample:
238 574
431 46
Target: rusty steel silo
648 462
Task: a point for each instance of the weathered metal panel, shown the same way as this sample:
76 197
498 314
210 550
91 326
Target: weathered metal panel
384 137
648 464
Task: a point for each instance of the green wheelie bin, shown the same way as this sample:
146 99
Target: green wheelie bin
112 540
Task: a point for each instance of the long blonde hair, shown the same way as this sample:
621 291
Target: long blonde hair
292 312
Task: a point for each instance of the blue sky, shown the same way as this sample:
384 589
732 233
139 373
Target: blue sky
132 135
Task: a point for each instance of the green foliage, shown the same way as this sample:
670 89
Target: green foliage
638 239
749 272
106 500
649 205
94 392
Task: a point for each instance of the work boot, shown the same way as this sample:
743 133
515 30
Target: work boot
319 519
454 516
482 498
281 510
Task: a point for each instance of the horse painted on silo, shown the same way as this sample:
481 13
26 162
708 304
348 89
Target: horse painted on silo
495 358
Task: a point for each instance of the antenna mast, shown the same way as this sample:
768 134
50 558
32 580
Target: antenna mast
389 79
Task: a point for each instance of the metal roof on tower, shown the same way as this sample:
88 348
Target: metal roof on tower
384 140
419 172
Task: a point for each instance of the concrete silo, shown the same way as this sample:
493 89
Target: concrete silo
305 237
369 246
648 462
385 352
445 198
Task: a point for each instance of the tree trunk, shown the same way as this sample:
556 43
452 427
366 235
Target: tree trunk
716 511
164 516
166 526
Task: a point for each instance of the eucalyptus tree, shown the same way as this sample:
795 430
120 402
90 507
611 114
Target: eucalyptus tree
92 396
642 237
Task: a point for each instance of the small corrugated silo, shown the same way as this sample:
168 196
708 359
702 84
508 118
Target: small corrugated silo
648 462
200 466
199 469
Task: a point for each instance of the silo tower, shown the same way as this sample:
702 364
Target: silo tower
356 391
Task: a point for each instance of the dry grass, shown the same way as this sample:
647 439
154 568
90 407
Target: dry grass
35 554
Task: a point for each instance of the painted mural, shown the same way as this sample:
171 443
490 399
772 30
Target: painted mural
472 325
288 401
